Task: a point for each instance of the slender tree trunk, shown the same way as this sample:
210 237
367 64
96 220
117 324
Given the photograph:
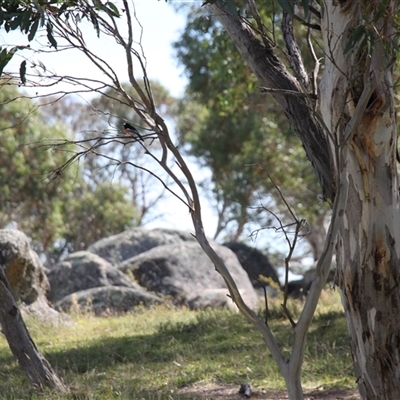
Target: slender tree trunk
293 379
358 108
35 366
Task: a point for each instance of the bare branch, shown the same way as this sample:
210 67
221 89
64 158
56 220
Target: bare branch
299 224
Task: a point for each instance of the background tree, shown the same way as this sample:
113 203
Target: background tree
60 233
106 114
61 213
30 195
248 133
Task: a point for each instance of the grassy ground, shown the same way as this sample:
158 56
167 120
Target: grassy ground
154 353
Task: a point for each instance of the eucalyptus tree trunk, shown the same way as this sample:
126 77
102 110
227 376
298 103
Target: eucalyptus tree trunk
352 147
357 106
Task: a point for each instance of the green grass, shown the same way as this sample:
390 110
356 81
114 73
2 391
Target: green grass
152 353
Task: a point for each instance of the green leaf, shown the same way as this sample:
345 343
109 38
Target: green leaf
113 9
26 21
287 6
5 57
22 72
65 6
41 65
95 23
42 15
16 22
395 45
380 11
355 37
33 29
306 7
370 40
50 36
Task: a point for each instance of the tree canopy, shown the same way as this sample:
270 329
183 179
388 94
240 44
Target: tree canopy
31 16
240 133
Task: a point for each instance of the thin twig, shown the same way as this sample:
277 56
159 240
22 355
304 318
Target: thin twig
287 92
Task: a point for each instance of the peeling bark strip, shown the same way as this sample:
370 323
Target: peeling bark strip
358 108
293 49
35 366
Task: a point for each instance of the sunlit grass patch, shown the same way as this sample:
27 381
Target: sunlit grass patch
153 353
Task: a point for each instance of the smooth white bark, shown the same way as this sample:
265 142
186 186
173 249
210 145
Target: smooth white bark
358 109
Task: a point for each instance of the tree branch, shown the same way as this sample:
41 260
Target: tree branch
293 50
273 74
287 92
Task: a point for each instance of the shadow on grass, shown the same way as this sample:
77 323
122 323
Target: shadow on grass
218 346
208 337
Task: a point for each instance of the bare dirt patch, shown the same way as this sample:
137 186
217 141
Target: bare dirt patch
231 392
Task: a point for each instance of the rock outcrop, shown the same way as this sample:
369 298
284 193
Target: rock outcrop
27 277
118 248
182 272
83 270
24 270
162 265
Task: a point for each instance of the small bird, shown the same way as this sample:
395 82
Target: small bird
132 131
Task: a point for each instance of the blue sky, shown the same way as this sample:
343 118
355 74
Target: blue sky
161 26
